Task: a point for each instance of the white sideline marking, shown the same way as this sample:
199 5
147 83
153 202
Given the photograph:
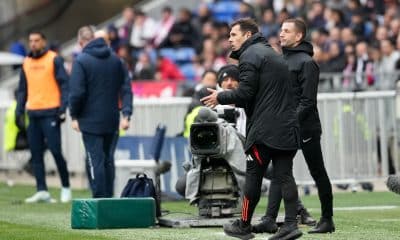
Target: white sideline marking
364 208
359 208
388 220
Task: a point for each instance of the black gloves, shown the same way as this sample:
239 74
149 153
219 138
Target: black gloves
20 121
61 116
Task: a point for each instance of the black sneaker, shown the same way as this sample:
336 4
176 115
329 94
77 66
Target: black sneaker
287 232
236 229
267 225
325 225
305 217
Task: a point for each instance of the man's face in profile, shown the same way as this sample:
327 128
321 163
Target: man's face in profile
237 37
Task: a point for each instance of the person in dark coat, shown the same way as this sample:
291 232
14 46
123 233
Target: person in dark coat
305 75
98 82
265 92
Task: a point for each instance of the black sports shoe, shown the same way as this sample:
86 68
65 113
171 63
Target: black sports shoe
325 225
287 232
305 217
267 225
236 229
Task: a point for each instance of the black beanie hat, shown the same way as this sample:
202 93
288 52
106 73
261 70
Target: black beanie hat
228 71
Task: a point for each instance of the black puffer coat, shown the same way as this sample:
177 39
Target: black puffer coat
265 91
305 77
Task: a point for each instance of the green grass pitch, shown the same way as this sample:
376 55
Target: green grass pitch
361 215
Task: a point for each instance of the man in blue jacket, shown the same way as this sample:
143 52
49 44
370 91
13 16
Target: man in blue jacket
98 82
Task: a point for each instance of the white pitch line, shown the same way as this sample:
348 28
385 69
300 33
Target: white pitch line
364 208
359 208
388 220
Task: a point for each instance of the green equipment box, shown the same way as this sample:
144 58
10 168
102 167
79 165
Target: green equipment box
104 213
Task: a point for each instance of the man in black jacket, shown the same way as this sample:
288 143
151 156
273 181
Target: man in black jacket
305 75
265 93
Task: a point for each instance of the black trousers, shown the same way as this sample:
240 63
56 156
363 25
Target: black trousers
312 152
100 167
45 131
258 160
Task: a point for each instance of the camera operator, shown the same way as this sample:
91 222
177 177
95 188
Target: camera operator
228 79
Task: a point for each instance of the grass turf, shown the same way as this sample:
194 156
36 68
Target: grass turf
19 221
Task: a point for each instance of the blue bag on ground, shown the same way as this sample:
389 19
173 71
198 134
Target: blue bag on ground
141 186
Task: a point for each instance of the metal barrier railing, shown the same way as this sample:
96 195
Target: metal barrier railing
359 134
148 113
349 82
359 140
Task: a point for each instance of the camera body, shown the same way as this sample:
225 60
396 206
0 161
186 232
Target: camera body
214 145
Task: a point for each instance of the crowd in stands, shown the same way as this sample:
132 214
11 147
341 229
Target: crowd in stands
357 38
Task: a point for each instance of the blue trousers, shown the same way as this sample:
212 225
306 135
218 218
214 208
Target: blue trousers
100 151
42 132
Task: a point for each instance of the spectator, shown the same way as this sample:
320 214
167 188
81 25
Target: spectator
387 75
245 11
208 79
183 33
42 92
203 16
357 24
268 25
348 36
124 53
363 69
334 18
167 70
128 17
297 9
315 16
143 31
18 47
337 60
163 26
375 55
98 82
144 69
113 37
348 71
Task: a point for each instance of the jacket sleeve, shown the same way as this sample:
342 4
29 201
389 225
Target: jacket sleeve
126 93
22 93
77 89
249 67
309 84
62 79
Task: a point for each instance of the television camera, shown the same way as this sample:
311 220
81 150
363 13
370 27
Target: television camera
217 171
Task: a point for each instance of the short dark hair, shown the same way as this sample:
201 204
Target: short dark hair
167 9
208 71
246 25
300 26
40 33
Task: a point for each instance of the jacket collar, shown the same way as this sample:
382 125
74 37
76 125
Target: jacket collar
304 46
256 38
38 54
